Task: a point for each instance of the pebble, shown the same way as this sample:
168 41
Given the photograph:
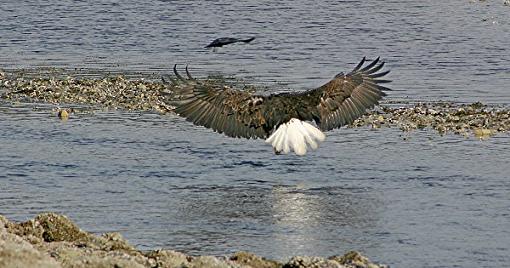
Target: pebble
63 114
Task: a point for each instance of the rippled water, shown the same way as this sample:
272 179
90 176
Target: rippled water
426 201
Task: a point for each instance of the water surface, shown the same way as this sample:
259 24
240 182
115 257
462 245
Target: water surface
423 201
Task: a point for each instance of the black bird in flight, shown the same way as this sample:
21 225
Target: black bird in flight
228 40
288 121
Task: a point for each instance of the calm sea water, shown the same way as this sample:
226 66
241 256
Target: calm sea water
426 201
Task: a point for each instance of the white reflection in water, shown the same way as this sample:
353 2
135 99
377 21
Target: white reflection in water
307 219
297 212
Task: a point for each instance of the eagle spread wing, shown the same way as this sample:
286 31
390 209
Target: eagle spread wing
239 113
280 118
225 110
347 97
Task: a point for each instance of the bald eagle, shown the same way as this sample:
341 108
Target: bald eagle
288 121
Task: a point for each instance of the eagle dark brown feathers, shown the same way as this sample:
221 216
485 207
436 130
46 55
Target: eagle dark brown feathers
221 108
239 113
347 97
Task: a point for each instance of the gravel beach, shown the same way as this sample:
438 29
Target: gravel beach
149 94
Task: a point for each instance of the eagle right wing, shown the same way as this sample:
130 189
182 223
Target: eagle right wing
347 97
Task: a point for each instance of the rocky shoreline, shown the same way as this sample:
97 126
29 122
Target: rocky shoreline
149 94
52 240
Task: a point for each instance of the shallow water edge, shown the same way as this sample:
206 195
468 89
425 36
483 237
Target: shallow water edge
52 240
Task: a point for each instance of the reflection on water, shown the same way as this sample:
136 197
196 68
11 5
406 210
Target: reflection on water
310 216
292 217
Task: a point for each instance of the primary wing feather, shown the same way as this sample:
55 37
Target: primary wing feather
347 97
338 102
226 110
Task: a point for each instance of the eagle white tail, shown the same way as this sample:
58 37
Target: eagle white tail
295 135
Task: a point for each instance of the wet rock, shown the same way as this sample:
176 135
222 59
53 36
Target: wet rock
49 227
312 262
52 240
18 252
354 259
63 114
483 133
113 92
442 117
209 262
168 258
253 260
70 256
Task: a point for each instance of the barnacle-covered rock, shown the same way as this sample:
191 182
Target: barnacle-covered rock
52 240
144 94
476 118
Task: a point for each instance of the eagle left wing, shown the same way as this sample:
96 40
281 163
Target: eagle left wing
226 110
